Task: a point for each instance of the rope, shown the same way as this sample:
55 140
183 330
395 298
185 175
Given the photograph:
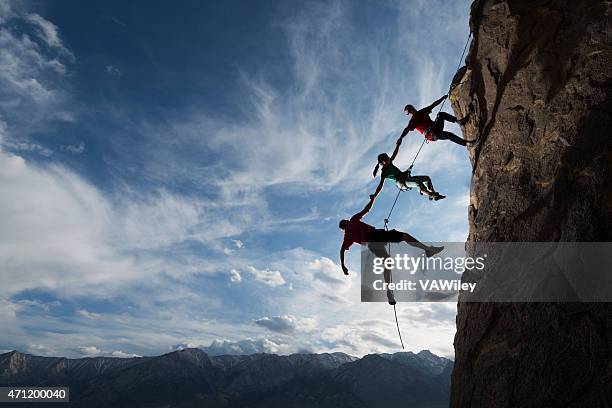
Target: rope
398 329
444 101
392 207
419 151
400 191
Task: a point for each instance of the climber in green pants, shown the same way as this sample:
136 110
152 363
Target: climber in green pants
403 179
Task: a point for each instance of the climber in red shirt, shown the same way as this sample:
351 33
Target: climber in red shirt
357 231
434 130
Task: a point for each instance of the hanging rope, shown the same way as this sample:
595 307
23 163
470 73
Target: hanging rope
399 333
400 190
444 101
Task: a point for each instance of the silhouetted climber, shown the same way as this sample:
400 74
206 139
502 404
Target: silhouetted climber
357 231
403 179
434 130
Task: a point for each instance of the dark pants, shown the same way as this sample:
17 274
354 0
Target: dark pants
424 182
438 132
381 235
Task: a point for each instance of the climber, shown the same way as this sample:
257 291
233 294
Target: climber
434 130
403 179
357 231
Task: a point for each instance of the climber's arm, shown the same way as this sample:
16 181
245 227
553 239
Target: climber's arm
378 188
344 268
436 103
406 130
397 146
367 208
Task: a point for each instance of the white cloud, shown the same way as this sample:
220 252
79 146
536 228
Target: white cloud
270 278
89 351
93 351
102 239
241 347
286 324
235 276
88 315
46 30
30 147
248 346
121 354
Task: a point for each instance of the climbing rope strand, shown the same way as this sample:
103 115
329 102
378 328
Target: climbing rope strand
417 154
398 329
400 191
458 66
444 101
392 207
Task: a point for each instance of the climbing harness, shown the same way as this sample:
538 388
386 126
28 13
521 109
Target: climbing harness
400 190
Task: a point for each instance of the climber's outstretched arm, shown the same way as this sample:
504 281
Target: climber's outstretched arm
397 146
436 103
378 188
367 208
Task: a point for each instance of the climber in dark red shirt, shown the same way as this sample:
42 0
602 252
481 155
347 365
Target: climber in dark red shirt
357 231
433 130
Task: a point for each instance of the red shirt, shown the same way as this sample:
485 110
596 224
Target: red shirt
420 120
356 231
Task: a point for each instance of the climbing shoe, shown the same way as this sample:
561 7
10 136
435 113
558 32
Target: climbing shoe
439 196
432 250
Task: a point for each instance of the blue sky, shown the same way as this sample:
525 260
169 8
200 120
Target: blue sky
173 175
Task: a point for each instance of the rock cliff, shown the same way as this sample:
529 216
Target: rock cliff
537 85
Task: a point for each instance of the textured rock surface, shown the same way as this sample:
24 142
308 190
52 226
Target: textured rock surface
537 84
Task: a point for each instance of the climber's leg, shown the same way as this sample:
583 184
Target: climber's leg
463 120
447 117
412 241
420 181
452 137
425 186
380 250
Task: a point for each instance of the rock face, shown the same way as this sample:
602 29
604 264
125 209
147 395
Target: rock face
537 86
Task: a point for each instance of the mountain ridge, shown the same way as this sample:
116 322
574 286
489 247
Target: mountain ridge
190 377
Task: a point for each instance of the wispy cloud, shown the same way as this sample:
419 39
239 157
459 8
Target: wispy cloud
74 149
33 72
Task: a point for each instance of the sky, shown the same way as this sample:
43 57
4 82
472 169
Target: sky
172 175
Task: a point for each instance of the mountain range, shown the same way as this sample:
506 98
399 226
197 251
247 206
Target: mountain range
192 378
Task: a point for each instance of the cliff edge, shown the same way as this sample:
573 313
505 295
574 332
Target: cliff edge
537 85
